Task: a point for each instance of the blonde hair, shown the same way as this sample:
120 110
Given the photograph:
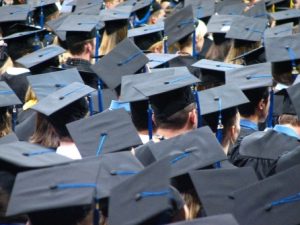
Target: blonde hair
109 41
8 63
5 122
192 203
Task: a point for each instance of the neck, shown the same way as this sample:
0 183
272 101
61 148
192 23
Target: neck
84 56
169 133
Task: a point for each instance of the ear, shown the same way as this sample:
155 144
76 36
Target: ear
88 47
193 117
262 104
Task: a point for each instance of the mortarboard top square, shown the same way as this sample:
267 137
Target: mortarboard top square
40 56
61 98
20 156
136 4
210 99
275 203
159 59
247 28
114 128
115 14
145 30
254 56
258 10
194 150
251 77
114 169
14 13
214 187
7 96
285 16
223 219
126 58
11 137
47 83
133 207
81 23
88 7
290 102
202 8
87 3
53 188
20 35
220 23
279 31
179 25
279 49
55 24
173 79
108 95
40 3
272 2
232 9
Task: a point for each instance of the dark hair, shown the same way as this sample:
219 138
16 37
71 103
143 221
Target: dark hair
219 48
228 119
62 216
282 72
75 111
254 96
76 42
177 120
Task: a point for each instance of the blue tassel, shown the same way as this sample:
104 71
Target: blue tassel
96 217
165 41
147 194
270 116
42 18
282 201
150 127
14 117
91 106
101 143
100 100
97 46
196 94
220 125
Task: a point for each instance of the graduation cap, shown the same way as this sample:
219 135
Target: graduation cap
251 77
88 7
286 16
115 18
14 13
214 187
280 30
159 59
255 56
11 137
258 10
223 219
108 96
7 96
55 24
114 169
275 203
220 23
54 188
47 83
193 150
147 195
214 71
235 8
61 98
247 28
126 58
135 5
179 25
40 56
202 9
112 131
144 37
19 156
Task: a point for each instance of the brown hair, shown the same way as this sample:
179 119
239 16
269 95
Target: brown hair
192 203
5 122
289 119
109 41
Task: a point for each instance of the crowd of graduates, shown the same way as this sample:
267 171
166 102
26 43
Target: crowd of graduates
149 112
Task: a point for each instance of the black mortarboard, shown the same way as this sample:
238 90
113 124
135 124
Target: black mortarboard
223 219
159 59
196 149
220 23
179 25
147 195
136 5
19 156
115 18
53 188
236 8
114 169
202 9
106 132
258 10
40 3
214 187
219 98
274 200
108 95
254 56
47 83
126 58
286 48
88 7
20 35
11 137
7 96
280 30
214 71
251 77
248 29
55 24
144 37
61 98
40 56
14 13
286 16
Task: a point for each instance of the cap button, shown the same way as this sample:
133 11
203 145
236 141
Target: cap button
287 46
113 172
138 197
216 98
61 97
248 77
